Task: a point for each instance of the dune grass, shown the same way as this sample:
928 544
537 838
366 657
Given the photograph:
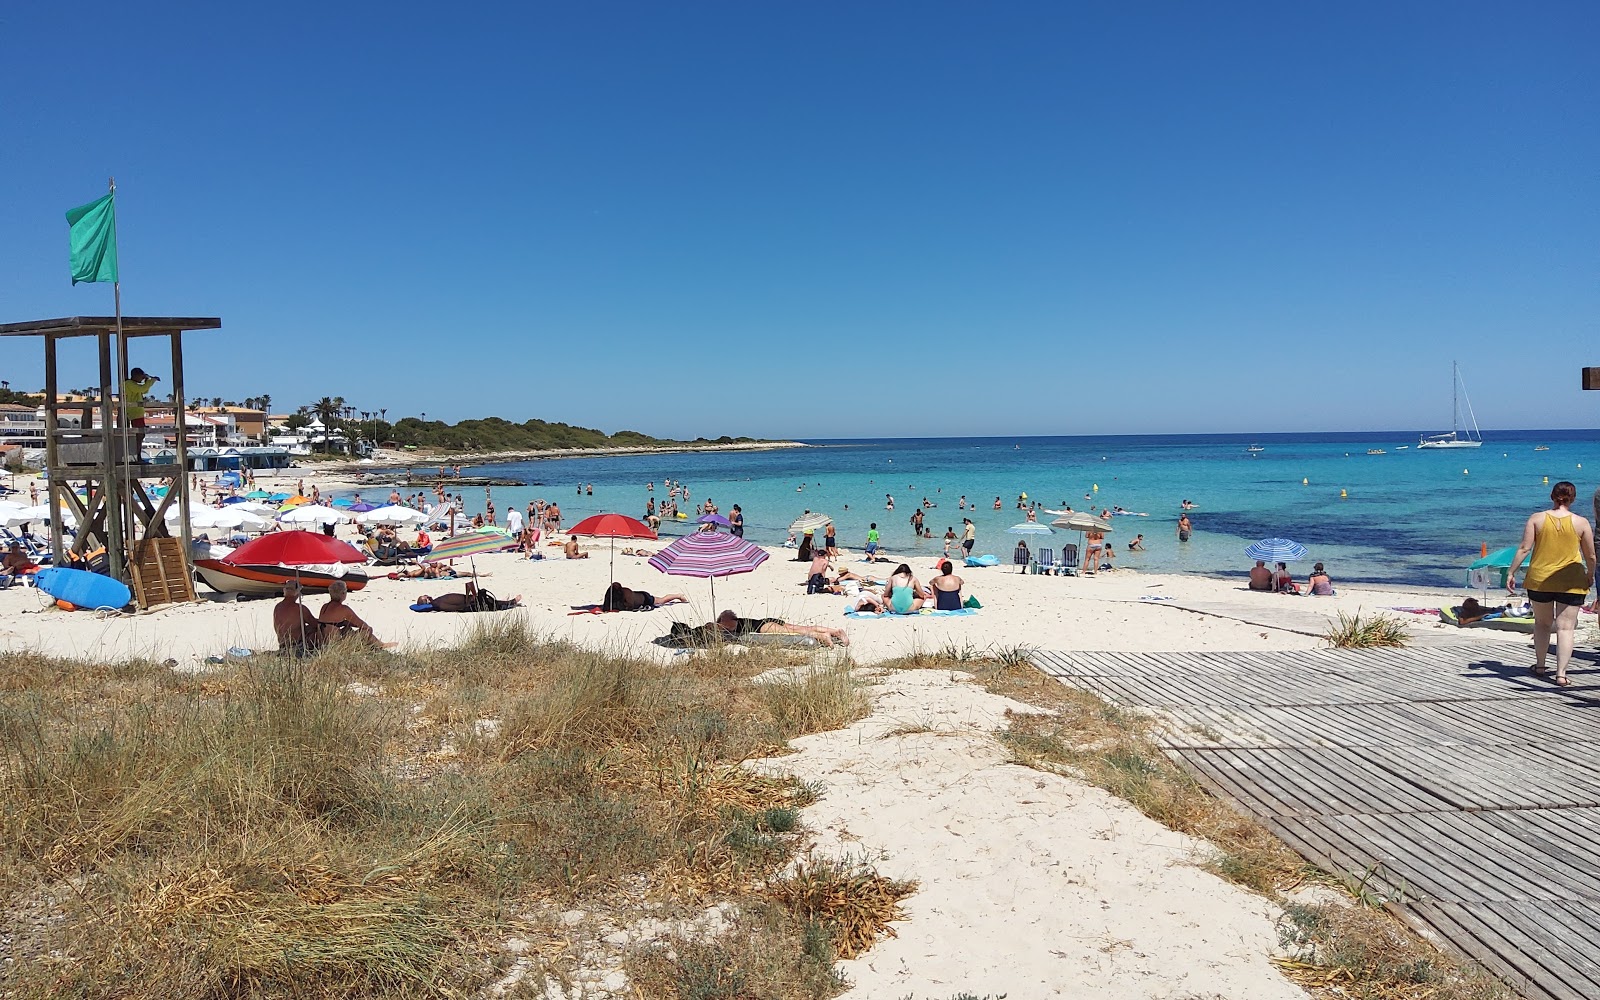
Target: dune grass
378 825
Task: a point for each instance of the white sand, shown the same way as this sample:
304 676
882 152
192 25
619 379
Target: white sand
1032 885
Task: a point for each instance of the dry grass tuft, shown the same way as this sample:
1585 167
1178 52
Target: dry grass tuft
370 824
1363 953
847 898
1355 632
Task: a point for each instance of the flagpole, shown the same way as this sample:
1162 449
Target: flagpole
123 500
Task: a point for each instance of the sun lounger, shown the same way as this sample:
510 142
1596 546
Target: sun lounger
1044 561
1069 560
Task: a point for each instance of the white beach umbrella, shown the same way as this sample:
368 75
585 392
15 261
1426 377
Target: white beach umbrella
313 514
392 515
41 513
14 514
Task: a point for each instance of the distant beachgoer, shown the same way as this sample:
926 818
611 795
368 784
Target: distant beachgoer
996 503
1137 545
513 522
1559 575
969 534
589 490
872 542
817 580
888 502
571 549
736 522
949 539
1283 581
1185 529
830 541
1260 576
732 626
946 588
807 542
1320 584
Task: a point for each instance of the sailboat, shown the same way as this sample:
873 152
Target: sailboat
1458 436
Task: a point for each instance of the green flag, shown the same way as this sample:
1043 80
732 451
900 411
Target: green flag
94 240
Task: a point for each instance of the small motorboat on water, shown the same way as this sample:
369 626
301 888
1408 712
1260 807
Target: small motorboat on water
1541 447
262 580
1376 451
1255 448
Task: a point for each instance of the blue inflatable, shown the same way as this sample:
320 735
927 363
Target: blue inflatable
985 560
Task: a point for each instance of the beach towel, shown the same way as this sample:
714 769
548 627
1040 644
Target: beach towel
695 637
925 611
986 560
421 607
591 609
1156 598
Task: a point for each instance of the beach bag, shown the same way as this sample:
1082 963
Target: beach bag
972 602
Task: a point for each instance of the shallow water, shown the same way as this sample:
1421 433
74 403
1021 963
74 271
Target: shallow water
1408 516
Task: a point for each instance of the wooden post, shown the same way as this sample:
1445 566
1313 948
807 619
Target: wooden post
181 427
52 463
110 495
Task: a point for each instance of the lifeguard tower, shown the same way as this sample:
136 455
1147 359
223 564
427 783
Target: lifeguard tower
100 455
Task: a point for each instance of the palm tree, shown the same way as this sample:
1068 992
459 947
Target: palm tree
266 403
327 410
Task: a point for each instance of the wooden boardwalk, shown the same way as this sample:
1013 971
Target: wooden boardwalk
1447 779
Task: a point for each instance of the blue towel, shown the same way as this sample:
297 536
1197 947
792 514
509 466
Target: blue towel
924 611
987 560
421 607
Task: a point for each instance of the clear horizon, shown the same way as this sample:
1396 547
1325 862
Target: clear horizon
939 220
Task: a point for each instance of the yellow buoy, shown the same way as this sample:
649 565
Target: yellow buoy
1547 480
1343 495
1097 485
1305 482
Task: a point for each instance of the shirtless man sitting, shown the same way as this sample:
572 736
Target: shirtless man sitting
299 632
1260 576
572 550
732 626
340 619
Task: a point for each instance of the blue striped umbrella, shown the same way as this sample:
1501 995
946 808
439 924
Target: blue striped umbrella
469 544
1276 550
1029 528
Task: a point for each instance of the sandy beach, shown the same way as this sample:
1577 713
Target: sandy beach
1031 884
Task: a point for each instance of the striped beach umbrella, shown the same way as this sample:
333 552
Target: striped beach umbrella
709 554
1276 550
469 544
810 519
1029 528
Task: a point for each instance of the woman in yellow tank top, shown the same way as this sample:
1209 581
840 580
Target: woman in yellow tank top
1559 575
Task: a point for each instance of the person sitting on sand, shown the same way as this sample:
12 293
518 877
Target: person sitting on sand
572 550
339 616
1260 576
903 593
299 632
473 600
732 626
817 582
1320 584
1282 582
620 598
946 588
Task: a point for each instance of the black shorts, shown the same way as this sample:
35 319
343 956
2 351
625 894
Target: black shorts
1548 597
966 546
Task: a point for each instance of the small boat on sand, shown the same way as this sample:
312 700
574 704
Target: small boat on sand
250 580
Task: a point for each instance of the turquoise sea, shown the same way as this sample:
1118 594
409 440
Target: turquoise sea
1407 517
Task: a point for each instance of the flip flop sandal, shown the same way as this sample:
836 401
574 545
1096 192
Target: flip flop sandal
1540 671
1563 682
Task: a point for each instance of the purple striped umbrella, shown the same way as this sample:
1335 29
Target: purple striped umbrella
709 554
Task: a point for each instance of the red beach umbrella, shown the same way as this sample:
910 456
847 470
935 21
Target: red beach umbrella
613 526
295 548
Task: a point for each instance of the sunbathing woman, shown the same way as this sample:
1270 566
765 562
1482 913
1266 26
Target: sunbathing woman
732 626
946 588
473 600
904 594
620 598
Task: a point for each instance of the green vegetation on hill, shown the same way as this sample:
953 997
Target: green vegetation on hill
498 434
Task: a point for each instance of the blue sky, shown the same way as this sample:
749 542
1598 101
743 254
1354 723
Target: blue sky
828 219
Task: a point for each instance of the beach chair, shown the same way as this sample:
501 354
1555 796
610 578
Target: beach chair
1044 561
1021 558
1069 560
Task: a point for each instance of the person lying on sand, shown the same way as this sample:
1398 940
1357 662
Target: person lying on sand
339 616
473 600
426 571
620 598
732 626
572 550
